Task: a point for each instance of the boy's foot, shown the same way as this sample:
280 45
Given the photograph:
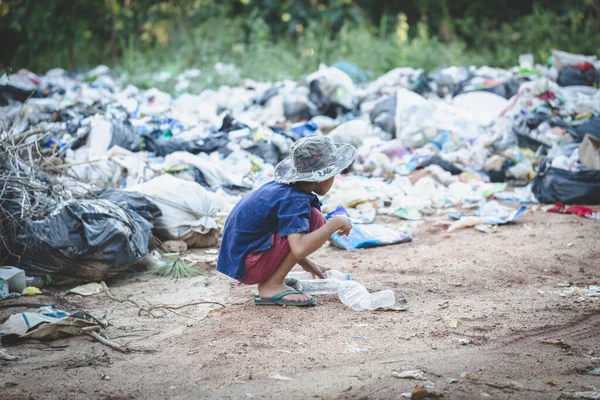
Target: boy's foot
268 291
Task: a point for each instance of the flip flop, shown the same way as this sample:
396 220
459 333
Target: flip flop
278 301
291 282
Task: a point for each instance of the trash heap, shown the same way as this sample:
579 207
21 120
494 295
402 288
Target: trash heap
94 167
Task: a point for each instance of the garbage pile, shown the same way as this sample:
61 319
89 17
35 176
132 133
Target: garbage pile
94 167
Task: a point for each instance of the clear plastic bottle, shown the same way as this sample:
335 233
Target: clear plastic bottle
319 286
335 274
300 275
331 274
357 297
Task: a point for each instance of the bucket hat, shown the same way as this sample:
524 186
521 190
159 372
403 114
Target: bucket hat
314 159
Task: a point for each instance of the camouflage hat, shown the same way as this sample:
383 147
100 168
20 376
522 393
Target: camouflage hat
314 159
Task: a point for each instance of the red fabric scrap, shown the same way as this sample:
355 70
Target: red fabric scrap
584 66
582 211
547 96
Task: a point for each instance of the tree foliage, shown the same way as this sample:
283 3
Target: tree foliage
41 32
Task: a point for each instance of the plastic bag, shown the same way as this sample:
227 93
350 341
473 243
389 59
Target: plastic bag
188 210
85 240
554 185
369 235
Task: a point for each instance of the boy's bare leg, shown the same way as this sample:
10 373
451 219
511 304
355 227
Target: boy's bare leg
274 284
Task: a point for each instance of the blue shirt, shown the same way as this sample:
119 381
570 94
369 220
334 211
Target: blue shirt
274 207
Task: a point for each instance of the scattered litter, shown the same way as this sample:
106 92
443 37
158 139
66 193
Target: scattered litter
12 280
583 395
87 289
353 349
366 235
464 341
453 324
7 357
278 376
31 291
556 342
470 376
594 372
414 374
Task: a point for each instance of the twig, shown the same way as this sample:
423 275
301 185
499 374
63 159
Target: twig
94 328
178 307
109 343
24 305
64 166
19 138
149 310
112 297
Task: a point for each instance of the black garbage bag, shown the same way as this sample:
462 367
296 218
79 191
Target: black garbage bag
14 92
267 95
265 150
164 147
132 201
436 159
507 89
383 115
527 142
124 135
86 240
421 85
591 127
323 104
298 111
573 76
552 185
231 124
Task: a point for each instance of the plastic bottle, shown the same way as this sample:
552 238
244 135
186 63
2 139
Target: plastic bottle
319 286
34 281
356 296
300 275
335 274
331 274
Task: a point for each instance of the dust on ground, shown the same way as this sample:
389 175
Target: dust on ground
517 335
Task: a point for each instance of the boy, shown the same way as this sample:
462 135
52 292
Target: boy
278 225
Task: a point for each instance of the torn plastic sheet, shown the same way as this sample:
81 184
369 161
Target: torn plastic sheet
46 323
369 235
492 213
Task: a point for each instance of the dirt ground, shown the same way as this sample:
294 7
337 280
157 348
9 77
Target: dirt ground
487 318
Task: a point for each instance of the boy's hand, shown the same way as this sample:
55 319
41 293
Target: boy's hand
345 225
314 268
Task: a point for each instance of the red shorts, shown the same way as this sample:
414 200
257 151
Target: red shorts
261 265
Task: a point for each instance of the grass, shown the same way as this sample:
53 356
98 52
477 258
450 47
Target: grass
175 268
225 50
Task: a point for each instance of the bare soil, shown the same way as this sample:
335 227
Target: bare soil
499 290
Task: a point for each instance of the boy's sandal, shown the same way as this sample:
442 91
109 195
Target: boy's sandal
278 301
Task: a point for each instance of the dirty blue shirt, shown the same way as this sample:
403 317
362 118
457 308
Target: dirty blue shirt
274 207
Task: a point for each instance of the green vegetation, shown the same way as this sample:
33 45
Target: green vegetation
273 40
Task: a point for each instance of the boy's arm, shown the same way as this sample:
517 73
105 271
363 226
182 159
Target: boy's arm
313 268
302 245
